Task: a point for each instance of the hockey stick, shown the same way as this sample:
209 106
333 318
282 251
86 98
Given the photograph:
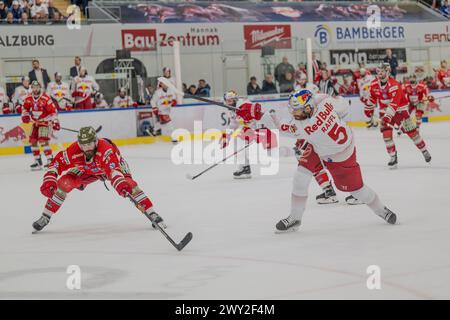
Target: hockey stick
191 177
76 131
169 84
179 246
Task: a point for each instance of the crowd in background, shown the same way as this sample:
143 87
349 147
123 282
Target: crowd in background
442 6
26 11
287 78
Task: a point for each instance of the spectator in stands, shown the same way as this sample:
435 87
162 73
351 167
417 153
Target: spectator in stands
192 90
53 13
253 87
281 70
203 90
392 60
3 10
326 84
445 8
38 74
148 93
300 70
75 70
39 11
288 84
348 87
17 11
316 66
24 19
10 18
268 86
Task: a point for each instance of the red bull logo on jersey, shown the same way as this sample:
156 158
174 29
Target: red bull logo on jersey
321 118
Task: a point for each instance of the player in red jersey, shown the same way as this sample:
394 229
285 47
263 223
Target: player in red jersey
84 162
417 94
443 76
39 109
393 104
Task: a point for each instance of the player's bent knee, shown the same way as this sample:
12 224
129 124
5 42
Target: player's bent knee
365 194
302 179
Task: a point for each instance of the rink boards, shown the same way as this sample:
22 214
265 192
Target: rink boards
126 126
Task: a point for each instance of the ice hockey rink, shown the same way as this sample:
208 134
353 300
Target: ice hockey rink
235 253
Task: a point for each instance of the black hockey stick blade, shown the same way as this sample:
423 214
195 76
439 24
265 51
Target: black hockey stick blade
183 243
99 129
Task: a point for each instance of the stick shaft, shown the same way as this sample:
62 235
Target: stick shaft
217 163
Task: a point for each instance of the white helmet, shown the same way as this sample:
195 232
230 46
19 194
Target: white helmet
230 95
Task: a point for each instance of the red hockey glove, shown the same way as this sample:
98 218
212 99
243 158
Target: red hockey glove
155 111
174 103
135 105
6 109
121 185
224 140
49 185
26 118
19 109
389 113
56 125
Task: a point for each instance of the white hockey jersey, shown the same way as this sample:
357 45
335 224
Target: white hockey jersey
19 95
326 130
162 100
86 85
364 85
59 92
125 102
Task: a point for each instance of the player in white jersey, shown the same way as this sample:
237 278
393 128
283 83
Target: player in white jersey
162 102
318 120
20 94
364 93
244 119
100 102
59 91
123 100
4 102
83 88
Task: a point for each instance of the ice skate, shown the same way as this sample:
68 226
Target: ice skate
388 216
426 155
41 222
328 196
393 162
156 218
287 225
351 200
243 173
37 165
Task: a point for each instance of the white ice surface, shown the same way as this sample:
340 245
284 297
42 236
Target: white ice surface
235 253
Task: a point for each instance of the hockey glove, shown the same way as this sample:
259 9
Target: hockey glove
121 185
49 185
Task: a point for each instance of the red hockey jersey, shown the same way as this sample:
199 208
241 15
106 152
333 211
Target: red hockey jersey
40 109
416 93
106 161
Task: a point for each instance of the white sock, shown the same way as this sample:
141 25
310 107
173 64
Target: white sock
298 204
369 197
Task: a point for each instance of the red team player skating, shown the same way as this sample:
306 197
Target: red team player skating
318 120
84 162
393 103
39 109
417 95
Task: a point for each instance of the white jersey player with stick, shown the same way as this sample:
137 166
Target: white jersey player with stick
162 102
318 120
60 93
